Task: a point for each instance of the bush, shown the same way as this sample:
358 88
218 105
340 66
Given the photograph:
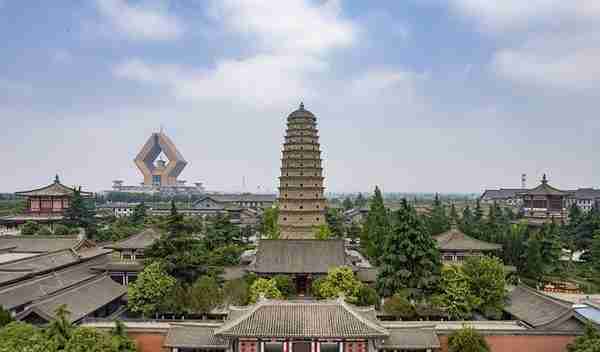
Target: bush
399 306
263 287
62 230
30 228
467 339
236 292
367 296
44 231
285 285
22 337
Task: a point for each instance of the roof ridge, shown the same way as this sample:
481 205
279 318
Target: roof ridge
243 316
362 319
80 284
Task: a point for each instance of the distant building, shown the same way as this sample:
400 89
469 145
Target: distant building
455 246
301 200
242 200
118 209
585 198
545 202
505 196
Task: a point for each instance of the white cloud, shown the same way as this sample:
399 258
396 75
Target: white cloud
142 21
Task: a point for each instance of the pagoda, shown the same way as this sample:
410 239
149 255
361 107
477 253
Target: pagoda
301 200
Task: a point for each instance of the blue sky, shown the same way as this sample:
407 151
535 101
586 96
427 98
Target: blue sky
412 95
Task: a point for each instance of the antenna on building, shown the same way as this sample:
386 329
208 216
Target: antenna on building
243 184
523 181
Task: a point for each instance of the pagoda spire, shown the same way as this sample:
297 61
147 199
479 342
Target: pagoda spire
56 179
544 179
301 105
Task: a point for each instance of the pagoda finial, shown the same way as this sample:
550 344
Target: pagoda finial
301 105
56 179
544 179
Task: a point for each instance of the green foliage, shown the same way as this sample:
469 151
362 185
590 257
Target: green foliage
80 214
322 232
551 247
367 296
5 317
335 223
340 281
120 342
376 228
487 281
595 252
150 290
399 306
22 337
205 295
62 230
236 292
118 230
263 287
86 339
589 342
534 267
30 228
354 231
467 339
285 285
438 221
269 226
347 203
139 214
44 231
456 296
409 256
226 256
221 232
60 329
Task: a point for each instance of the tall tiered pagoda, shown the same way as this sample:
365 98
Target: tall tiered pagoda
301 200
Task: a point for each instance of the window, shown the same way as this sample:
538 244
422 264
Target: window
301 207
317 206
317 219
284 219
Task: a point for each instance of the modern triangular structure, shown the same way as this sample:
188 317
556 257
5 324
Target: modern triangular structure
159 172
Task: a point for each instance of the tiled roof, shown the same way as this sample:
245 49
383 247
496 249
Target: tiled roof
194 336
241 197
316 319
535 308
502 193
367 274
455 240
411 339
81 300
586 193
38 287
39 244
53 189
36 265
545 189
298 256
140 240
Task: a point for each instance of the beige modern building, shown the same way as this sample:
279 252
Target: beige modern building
159 172
301 200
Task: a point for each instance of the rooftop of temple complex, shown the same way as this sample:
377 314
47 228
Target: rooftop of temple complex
141 240
544 189
456 240
52 190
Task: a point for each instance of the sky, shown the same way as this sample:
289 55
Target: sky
412 95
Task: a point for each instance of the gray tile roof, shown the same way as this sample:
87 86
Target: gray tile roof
194 336
535 308
241 197
316 319
455 240
298 256
38 244
39 287
367 274
545 189
502 193
140 240
586 193
81 300
53 189
411 339
36 265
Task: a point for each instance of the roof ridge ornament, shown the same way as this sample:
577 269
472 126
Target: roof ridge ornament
301 105
544 180
56 179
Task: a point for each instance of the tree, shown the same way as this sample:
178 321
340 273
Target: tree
263 287
399 306
61 328
534 263
22 337
44 231
221 232
285 285
513 245
347 203
322 232
120 342
340 281
86 339
551 246
80 214
589 342
456 297
236 292
205 295
487 281
150 290
409 255
335 222
139 214
61 230
269 224
5 317
595 252
30 228
467 339
376 227
438 221
360 201
367 296
454 218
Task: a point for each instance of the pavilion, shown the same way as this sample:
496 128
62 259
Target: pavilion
544 203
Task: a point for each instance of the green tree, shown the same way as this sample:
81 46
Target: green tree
347 203
221 232
534 263
595 252
456 298
409 257
263 287
60 329
285 285
551 246
139 214
30 228
340 281
589 342
236 292
269 224
376 227
150 290
205 295
360 201
80 214
61 230
44 231
438 221
367 296
487 281
322 232
335 222
399 306
514 245
5 317
120 342
467 339
86 339
22 337
454 218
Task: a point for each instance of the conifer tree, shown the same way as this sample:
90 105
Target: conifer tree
437 220
376 228
454 214
409 256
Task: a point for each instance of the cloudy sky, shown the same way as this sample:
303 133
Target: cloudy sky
413 95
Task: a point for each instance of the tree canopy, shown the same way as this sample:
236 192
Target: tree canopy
467 339
376 227
264 287
149 292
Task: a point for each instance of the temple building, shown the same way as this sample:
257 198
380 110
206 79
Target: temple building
455 246
544 203
301 200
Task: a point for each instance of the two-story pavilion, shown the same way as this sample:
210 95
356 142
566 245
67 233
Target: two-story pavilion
544 203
